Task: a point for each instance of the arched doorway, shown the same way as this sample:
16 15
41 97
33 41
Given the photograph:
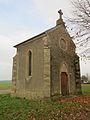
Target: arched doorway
64 83
64 80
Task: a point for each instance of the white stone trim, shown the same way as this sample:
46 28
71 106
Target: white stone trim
47 79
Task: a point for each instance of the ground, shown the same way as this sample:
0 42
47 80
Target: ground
77 108
57 108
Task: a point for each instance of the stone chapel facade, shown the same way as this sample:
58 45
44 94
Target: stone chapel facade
47 65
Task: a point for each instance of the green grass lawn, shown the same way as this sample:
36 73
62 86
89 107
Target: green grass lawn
12 108
86 89
5 84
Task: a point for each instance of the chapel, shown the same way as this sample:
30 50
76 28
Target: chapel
47 65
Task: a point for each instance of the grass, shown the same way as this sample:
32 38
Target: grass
12 108
5 84
86 89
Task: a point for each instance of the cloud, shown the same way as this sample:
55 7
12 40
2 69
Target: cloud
85 67
5 57
7 51
22 19
6 71
48 8
6 1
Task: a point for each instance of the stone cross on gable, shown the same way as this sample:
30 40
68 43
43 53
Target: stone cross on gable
60 13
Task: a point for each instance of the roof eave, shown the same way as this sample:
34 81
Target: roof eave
29 39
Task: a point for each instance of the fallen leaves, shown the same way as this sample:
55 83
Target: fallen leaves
80 99
71 108
82 112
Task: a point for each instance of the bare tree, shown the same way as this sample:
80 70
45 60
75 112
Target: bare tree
81 26
84 79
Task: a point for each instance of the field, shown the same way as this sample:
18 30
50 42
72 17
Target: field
86 89
70 108
5 85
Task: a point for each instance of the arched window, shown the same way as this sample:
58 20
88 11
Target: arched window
30 63
63 44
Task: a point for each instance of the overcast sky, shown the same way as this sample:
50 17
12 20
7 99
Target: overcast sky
22 19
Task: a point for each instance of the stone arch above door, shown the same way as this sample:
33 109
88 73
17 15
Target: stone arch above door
63 68
64 79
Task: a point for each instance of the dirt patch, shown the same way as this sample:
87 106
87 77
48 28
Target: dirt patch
2 91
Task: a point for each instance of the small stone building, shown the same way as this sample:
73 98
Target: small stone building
47 65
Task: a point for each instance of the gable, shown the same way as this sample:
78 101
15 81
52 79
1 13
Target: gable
61 39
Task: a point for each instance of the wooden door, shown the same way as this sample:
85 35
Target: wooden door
64 84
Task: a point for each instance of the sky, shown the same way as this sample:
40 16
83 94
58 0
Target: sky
22 19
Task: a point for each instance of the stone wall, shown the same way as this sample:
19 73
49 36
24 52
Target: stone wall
14 74
60 56
31 86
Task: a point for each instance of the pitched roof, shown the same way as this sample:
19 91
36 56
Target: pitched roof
30 39
35 36
58 22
